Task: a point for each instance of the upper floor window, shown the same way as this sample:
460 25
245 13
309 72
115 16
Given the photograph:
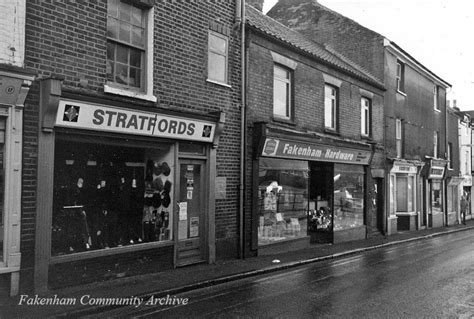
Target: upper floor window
282 107
126 44
330 107
450 155
365 109
218 52
435 144
435 97
400 76
399 137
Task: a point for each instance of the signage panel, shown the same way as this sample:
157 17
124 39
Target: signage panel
86 116
276 147
408 169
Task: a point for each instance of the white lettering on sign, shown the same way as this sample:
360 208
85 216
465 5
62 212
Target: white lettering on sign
104 118
316 153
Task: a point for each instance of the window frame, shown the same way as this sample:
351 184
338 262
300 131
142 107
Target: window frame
145 91
435 144
289 97
450 155
399 137
334 105
436 105
400 77
215 34
366 116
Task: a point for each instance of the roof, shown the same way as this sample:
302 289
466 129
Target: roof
328 56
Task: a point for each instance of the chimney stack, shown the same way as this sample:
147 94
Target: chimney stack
454 103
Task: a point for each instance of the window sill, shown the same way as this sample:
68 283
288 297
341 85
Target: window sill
437 110
276 118
331 131
129 93
367 137
401 93
407 213
219 83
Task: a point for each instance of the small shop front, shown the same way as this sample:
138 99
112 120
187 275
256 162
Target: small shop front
129 192
435 194
308 191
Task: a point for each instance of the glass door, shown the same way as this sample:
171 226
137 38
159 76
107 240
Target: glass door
191 212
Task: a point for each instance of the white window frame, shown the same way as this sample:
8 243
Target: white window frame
331 97
287 81
400 77
365 106
210 60
435 98
435 144
398 137
450 154
146 92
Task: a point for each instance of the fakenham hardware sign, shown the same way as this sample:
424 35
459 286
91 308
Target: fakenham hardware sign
275 147
80 115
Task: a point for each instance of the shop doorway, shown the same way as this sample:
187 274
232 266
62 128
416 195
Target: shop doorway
191 212
380 205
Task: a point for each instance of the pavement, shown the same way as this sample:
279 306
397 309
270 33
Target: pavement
82 300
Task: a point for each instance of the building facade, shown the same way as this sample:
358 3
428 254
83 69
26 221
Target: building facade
15 81
414 110
314 138
132 127
464 121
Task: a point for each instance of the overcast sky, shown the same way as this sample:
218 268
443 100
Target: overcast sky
437 33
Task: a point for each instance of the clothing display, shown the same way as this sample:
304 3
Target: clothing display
108 197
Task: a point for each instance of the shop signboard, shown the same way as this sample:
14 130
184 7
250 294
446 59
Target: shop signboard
74 114
277 147
407 169
436 170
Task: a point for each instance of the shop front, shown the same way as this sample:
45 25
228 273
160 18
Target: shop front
466 185
124 191
435 194
454 191
404 199
308 191
14 87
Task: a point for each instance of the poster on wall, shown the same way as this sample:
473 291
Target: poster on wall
194 227
183 210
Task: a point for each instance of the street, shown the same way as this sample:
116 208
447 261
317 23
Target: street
427 278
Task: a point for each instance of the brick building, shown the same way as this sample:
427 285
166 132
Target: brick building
415 112
15 81
133 124
314 140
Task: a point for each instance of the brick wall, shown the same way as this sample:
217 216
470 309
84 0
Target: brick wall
69 38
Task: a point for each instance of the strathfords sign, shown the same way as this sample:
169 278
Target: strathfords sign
275 147
74 114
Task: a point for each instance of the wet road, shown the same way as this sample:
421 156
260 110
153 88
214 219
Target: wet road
428 278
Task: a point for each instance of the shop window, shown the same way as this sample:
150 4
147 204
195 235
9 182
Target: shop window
2 186
452 198
436 197
330 107
348 196
405 186
129 50
218 48
110 195
365 105
282 200
282 87
392 195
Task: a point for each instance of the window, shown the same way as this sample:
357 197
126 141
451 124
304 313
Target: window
365 116
450 155
126 44
330 107
2 185
435 144
436 196
405 193
217 57
400 76
435 97
398 137
282 92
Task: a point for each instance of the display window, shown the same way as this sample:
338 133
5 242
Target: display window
282 200
110 194
348 196
436 196
2 184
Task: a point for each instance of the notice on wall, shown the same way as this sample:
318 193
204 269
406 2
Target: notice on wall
183 229
183 210
194 227
221 185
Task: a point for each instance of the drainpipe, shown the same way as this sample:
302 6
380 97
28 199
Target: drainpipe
240 17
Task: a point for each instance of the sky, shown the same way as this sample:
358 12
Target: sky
437 33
